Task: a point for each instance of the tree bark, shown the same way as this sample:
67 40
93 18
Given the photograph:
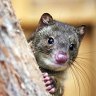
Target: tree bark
19 73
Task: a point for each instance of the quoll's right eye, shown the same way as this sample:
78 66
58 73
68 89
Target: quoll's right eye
71 47
50 40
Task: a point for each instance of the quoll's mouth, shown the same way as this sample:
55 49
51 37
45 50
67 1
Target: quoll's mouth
57 61
61 58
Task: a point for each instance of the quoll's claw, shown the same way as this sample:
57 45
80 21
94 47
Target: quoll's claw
49 83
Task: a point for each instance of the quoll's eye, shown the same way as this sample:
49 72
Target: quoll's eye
50 40
71 47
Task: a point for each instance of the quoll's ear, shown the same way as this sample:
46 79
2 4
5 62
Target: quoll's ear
45 20
81 30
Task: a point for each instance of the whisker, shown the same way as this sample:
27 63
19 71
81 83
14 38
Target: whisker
73 76
84 58
80 74
87 52
91 68
76 78
92 75
82 70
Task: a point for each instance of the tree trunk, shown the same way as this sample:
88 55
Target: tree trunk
19 73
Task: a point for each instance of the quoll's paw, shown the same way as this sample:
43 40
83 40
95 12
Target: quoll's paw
49 83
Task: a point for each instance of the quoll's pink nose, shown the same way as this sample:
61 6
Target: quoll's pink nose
61 57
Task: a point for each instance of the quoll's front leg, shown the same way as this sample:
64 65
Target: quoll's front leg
52 84
49 83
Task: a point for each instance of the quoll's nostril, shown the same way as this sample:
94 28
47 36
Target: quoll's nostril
61 57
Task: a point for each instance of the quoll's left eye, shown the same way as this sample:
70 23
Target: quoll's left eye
72 46
50 40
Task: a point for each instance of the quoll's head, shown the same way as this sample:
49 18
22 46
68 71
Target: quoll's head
56 44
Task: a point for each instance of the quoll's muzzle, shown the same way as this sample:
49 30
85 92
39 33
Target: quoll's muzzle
61 57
